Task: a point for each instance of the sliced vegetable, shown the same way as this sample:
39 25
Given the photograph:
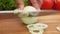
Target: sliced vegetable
29 20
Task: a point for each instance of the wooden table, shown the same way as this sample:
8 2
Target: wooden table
11 24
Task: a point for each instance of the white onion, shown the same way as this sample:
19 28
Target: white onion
16 11
29 20
32 10
23 14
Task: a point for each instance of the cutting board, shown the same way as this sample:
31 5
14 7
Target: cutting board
12 24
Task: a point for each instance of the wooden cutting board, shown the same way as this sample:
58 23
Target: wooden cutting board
12 24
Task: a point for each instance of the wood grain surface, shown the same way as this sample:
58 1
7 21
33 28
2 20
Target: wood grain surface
12 24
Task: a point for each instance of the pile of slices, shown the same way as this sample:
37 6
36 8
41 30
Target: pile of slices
37 28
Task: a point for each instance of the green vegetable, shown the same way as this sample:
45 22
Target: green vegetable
9 4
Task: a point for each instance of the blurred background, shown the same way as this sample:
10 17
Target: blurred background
9 4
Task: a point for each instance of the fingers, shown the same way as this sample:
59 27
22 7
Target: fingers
20 4
35 4
40 2
21 7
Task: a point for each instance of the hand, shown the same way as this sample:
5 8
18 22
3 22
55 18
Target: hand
21 7
36 3
20 4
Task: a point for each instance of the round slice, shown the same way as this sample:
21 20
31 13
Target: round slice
41 26
58 28
40 32
37 28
